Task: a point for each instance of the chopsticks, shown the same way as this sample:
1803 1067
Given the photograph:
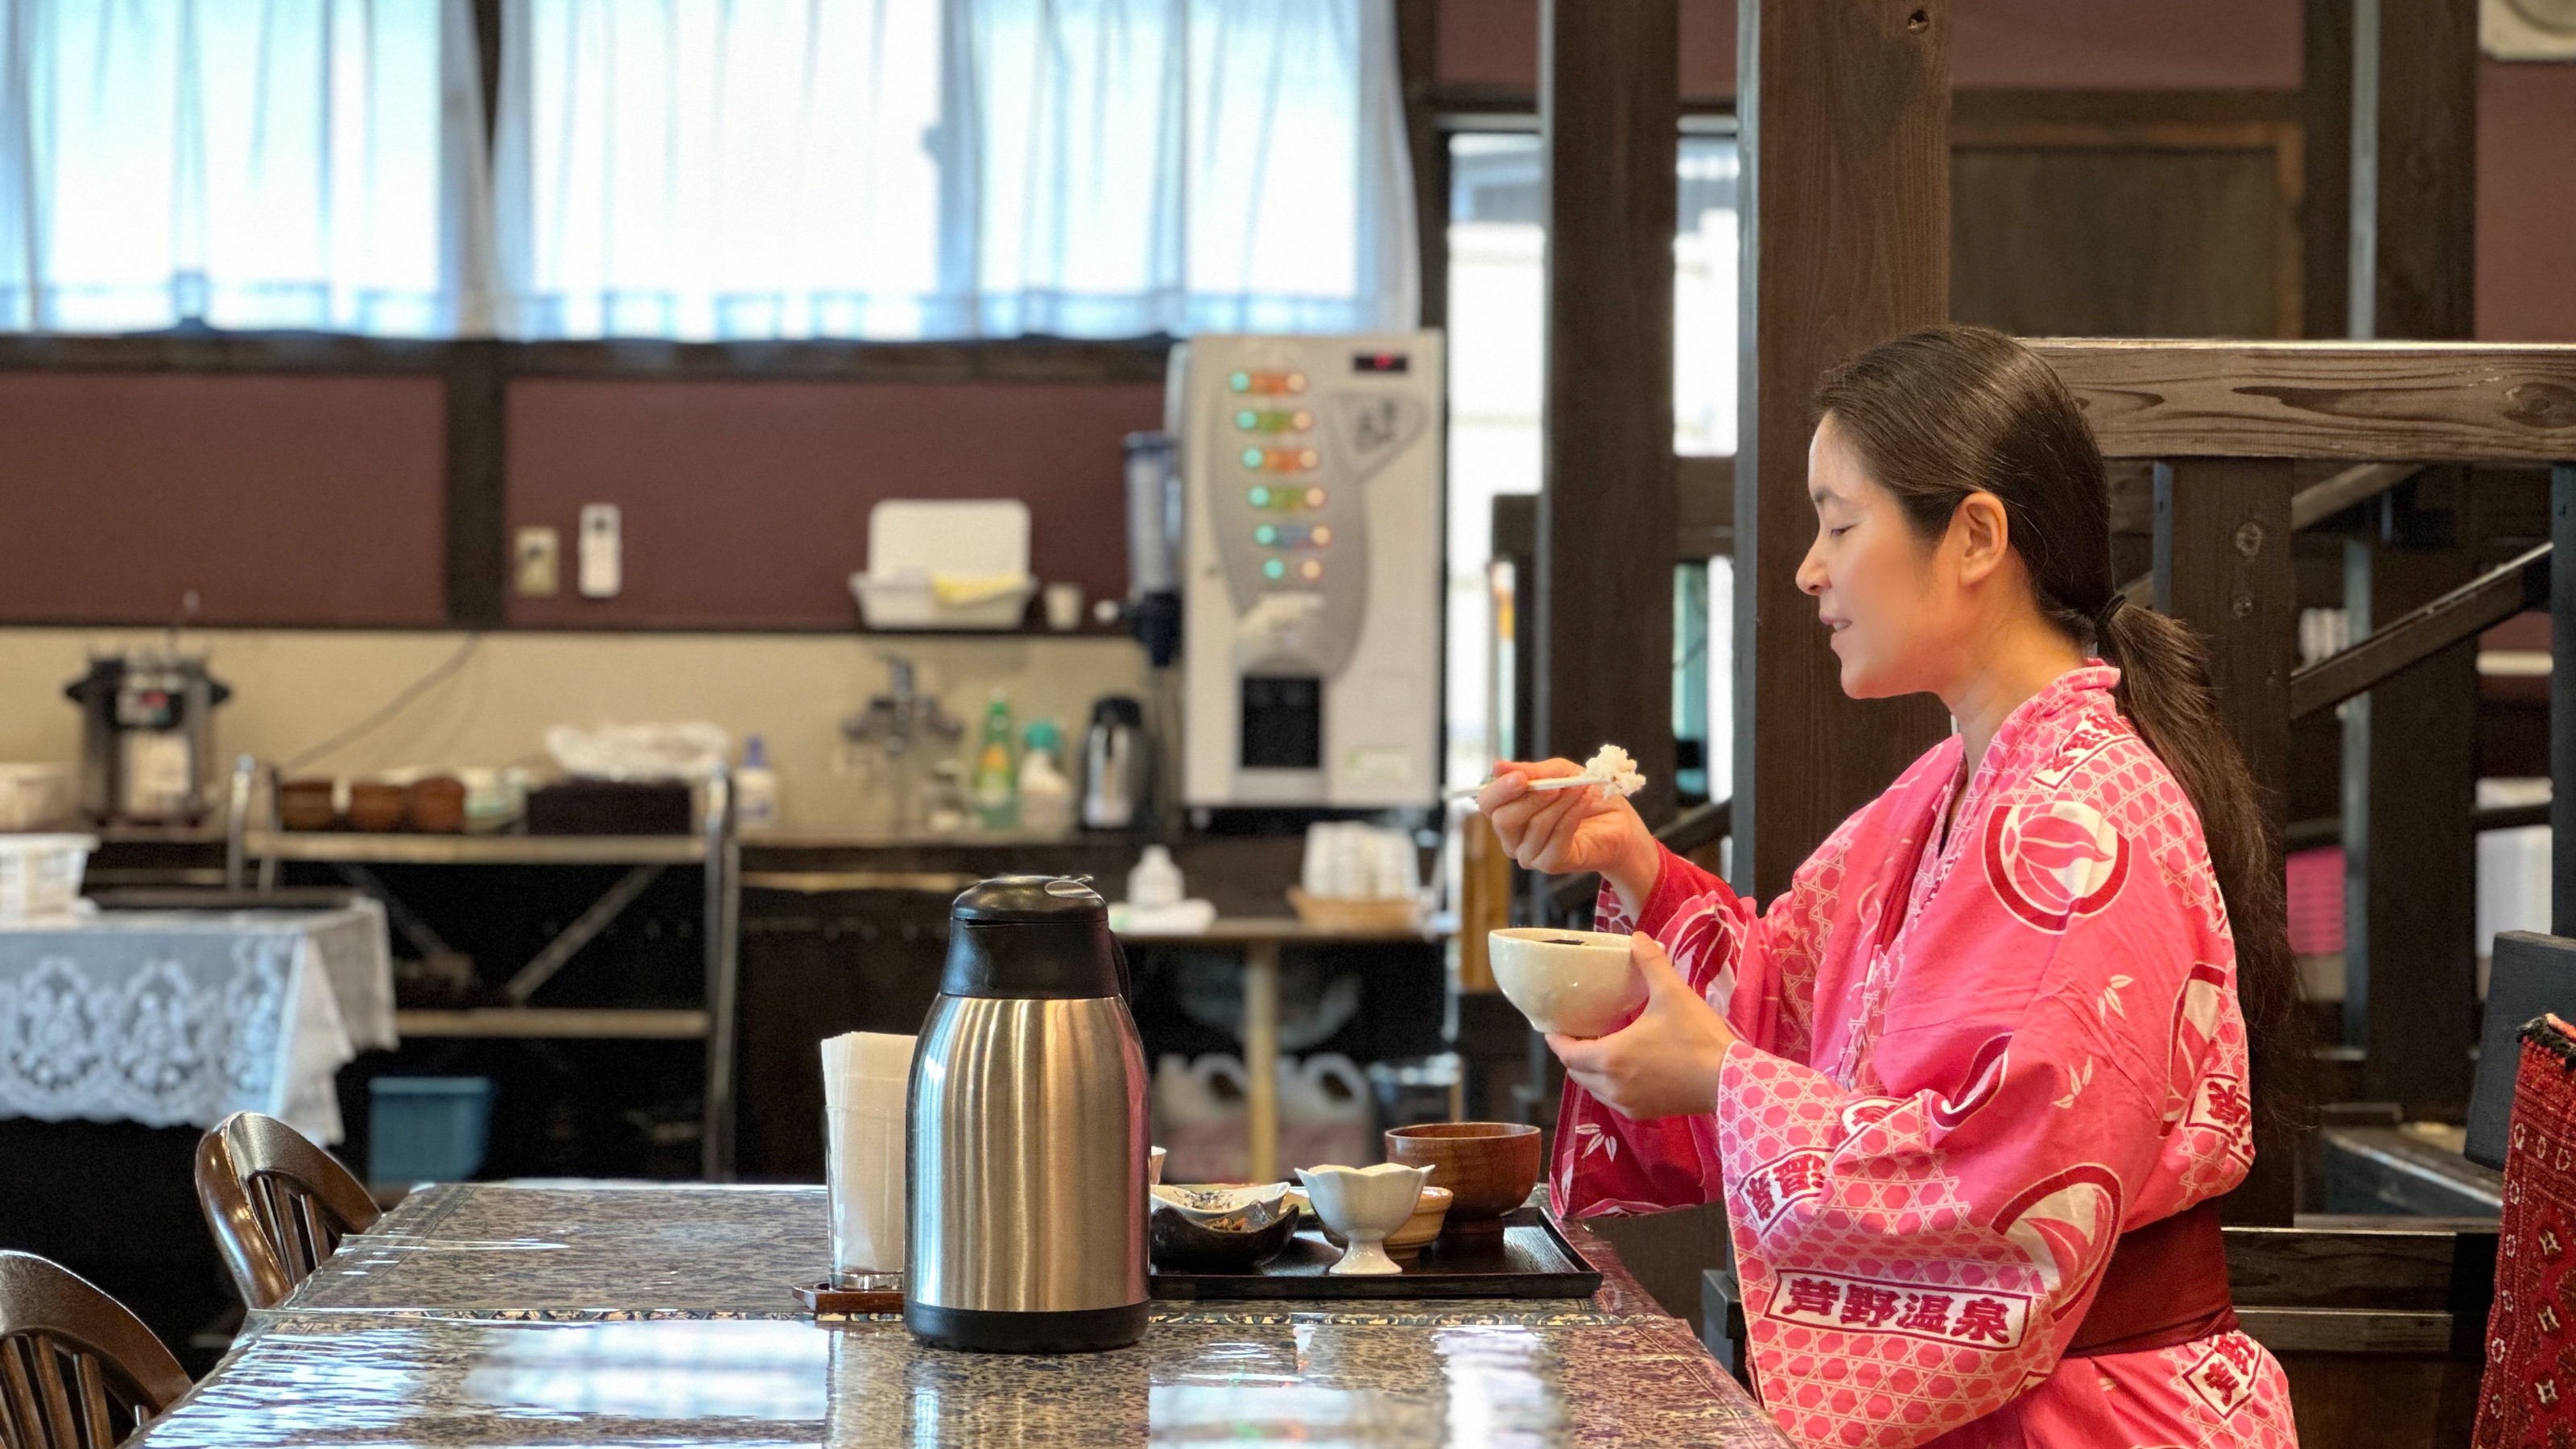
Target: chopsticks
1561 782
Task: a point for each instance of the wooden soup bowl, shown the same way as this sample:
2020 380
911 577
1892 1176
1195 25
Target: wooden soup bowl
1488 1167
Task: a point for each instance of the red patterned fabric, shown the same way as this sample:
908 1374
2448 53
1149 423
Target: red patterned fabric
2528 1394
1967 1067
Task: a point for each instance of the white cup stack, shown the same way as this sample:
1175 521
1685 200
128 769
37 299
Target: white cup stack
865 1077
1352 860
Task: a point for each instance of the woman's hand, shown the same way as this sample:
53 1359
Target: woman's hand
1663 1064
1565 831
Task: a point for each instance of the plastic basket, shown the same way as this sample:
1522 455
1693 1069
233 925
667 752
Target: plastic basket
40 875
427 1129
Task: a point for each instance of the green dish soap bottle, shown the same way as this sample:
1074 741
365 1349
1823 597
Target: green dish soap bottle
995 786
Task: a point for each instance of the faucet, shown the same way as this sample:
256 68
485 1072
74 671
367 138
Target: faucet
893 722
893 719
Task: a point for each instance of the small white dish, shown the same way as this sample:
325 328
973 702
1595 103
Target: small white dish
1364 1204
1573 983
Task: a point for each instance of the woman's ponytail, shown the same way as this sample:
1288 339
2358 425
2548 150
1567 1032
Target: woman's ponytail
1950 411
2165 693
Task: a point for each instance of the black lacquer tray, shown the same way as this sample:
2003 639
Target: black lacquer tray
1529 1258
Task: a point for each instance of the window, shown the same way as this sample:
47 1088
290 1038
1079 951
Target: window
706 170
234 164
951 168
1497 255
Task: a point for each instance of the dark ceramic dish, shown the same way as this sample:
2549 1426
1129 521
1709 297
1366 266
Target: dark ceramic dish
1220 1228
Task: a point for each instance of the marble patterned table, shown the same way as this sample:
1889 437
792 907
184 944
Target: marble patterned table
492 1314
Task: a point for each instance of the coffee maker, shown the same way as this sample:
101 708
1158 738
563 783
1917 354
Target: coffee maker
1025 1153
147 737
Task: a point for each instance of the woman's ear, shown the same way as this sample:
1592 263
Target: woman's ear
1981 532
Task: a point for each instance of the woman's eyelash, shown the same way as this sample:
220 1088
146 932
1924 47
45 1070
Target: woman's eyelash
1838 532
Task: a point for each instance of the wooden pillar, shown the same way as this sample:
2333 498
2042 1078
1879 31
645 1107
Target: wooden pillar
1417 42
1610 115
2409 756
2325 193
1844 111
2413 273
2410 856
2562 700
2222 565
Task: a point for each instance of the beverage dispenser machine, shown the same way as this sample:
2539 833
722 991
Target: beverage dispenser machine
1312 571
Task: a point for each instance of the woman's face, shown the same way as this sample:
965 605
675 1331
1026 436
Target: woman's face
1877 586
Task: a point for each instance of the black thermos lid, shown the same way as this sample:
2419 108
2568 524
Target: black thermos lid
1032 936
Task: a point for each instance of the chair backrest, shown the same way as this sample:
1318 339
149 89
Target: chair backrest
278 1205
77 1369
2533 974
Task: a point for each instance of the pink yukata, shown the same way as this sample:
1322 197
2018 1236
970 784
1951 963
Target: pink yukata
1966 1067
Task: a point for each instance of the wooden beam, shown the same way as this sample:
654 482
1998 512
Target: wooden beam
2320 501
2463 613
1844 111
2312 505
1610 125
2222 565
2368 402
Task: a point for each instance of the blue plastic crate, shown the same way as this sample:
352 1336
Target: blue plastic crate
427 1129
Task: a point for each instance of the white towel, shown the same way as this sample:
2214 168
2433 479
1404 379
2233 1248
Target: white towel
865 1075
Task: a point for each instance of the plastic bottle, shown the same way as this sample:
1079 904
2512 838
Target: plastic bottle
755 788
1046 792
1156 880
994 788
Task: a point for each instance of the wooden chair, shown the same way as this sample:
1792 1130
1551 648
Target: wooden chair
77 1369
278 1205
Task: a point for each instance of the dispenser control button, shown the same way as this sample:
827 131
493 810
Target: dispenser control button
1274 420
1320 535
1266 383
1311 570
1274 568
1266 535
1281 460
1314 497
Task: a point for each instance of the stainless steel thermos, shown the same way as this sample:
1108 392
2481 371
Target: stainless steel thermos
1025 1169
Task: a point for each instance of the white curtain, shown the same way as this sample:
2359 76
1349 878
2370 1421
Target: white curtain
242 164
743 169
1184 166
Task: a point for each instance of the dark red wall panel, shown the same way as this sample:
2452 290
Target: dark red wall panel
279 499
745 504
2005 44
2527 201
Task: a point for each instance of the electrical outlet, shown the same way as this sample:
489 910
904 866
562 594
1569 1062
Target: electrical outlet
602 552
536 558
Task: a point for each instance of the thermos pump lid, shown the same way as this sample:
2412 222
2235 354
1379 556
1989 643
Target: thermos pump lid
1029 898
1032 936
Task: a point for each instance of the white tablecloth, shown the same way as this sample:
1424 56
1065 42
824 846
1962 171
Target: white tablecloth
174 1018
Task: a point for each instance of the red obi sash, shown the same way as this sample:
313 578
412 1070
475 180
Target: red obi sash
2166 1284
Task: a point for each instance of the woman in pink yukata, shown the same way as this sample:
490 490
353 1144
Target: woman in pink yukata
1996 1029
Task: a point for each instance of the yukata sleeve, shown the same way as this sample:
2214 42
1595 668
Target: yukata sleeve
1606 1163
1918 1255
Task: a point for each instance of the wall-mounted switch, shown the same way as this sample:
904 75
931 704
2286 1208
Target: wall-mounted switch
535 557
602 566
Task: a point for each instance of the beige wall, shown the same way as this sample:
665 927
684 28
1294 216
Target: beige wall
293 689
